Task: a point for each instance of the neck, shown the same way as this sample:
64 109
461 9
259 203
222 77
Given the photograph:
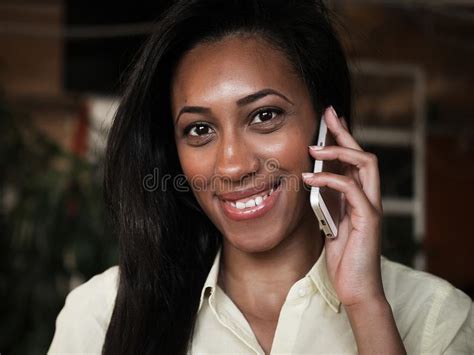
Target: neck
245 276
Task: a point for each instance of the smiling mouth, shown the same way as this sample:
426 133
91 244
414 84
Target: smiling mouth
253 206
254 200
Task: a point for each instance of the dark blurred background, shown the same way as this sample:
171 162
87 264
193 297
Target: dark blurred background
61 63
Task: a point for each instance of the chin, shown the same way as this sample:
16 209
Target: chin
254 243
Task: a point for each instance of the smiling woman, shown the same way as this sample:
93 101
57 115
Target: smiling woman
230 95
239 104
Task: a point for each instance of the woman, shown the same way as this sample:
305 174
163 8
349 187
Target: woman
229 95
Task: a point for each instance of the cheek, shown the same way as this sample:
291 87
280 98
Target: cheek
196 166
289 149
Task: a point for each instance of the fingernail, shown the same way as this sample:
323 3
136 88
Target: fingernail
306 175
333 111
315 147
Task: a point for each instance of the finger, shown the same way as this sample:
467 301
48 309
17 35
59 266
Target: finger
360 206
366 164
341 135
344 123
352 172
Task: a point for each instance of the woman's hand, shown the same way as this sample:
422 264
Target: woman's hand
353 257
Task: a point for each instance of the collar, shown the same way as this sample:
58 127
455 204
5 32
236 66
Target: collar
318 275
211 281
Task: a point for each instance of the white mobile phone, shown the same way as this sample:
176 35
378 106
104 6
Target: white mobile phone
326 202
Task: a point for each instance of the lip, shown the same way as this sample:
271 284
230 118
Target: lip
253 212
238 195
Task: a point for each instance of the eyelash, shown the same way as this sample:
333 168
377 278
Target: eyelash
277 112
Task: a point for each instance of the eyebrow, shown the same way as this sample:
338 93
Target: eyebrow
241 102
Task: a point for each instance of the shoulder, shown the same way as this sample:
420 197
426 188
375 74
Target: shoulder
405 284
426 308
396 275
100 289
83 321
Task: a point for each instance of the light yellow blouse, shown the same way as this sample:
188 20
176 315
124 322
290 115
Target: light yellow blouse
432 316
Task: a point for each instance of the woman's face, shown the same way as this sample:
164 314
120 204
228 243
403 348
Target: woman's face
244 120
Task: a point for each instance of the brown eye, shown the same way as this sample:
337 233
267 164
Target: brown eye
198 129
266 115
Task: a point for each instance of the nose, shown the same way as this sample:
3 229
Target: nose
235 160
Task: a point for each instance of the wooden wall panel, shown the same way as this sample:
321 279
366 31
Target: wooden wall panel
449 242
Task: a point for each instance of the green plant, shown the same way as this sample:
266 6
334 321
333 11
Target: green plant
52 229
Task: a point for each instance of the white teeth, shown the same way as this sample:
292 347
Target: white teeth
252 202
240 205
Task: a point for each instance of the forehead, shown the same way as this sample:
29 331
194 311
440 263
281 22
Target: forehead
232 65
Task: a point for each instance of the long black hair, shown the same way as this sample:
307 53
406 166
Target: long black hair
167 242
